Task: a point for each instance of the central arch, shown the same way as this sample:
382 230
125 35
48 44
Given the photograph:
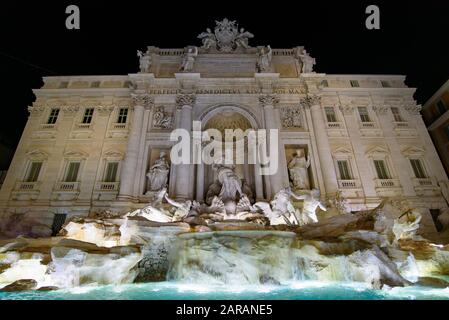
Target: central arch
222 117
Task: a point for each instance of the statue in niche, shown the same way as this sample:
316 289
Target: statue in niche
231 185
144 61
208 39
189 59
161 119
158 174
311 203
264 59
298 171
307 62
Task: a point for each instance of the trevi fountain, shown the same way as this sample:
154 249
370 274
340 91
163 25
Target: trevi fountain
231 238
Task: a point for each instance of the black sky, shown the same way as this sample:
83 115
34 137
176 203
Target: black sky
413 40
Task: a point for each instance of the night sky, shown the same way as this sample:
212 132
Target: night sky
413 40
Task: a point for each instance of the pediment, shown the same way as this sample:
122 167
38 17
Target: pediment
413 150
76 154
342 150
377 149
37 154
113 154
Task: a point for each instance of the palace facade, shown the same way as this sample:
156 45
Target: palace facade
90 140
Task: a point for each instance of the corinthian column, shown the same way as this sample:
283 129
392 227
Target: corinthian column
128 172
183 172
324 151
277 179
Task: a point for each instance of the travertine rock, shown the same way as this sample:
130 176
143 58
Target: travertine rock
20 285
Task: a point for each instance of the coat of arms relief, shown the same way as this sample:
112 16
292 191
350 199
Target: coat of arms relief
226 37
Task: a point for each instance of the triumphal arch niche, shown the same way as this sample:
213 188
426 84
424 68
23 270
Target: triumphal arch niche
224 84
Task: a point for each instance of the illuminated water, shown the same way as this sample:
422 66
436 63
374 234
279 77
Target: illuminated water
304 290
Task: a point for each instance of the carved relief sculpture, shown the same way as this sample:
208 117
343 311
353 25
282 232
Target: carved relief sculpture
226 37
162 119
291 117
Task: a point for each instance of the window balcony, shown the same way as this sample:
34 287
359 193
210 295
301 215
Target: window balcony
27 186
348 184
334 125
423 182
368 125
387 183
120 126
67 186
107 186
47 126
400 125
83 126
25 191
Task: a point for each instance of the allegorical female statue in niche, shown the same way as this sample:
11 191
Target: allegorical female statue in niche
298 171
158 174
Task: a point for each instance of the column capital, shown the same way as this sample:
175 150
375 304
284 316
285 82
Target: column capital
36 110
380 109
413 109
185 100
268 100
104 110
70 110
347 109
311 100
145 100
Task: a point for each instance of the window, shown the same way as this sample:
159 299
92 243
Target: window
58 222
72 172
33 171
324 83
381 169
385 84
111 172
88 114
330 114
418 168
54 113
95 84
435 213
122 115
343 168
441 107
364 116
354 84
396 114
63 85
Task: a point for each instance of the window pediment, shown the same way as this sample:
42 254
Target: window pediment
76 154
113 154
37 154
413 150
377 150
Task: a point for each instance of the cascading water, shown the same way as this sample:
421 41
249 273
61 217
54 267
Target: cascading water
233 257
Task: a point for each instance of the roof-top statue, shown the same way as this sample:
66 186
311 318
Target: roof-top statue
226 37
